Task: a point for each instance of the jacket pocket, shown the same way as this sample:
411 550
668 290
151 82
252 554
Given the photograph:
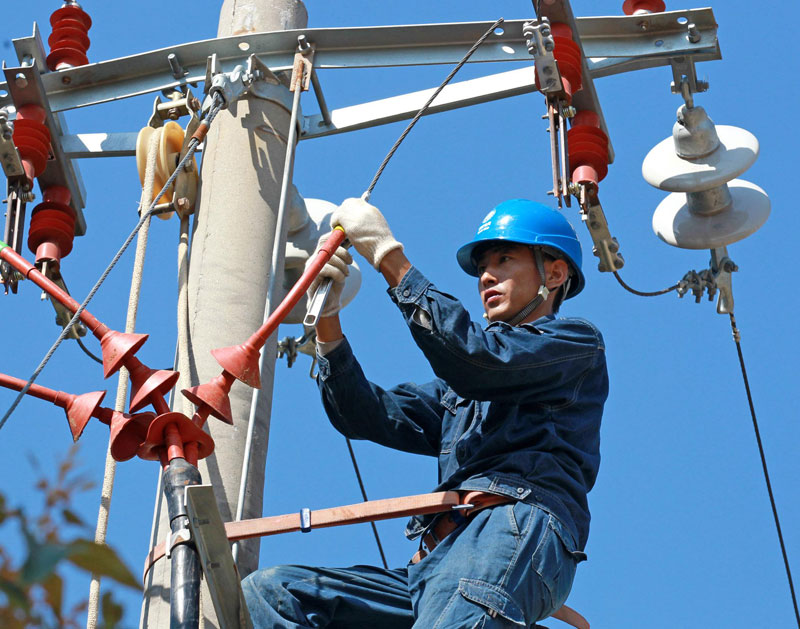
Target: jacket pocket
454 426
495 599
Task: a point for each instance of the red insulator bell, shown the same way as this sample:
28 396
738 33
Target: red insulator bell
52 227
631 7
568 56
588 148
32 139
69 40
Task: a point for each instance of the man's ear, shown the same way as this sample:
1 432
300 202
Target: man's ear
557 274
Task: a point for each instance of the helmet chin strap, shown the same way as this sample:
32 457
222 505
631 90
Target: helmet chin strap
542 294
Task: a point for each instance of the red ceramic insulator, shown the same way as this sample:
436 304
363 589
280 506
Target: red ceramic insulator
79 408
631 7
161 438
148 386
568 56
588 149
128 432
32 139
212 398
70 38
52 227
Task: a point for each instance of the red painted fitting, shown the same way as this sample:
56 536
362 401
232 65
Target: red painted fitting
69 40
212 398
128 432
148 386
159 438
632 7
117 347
588 148
78 408
191 452
568 55
241 361
52 227
32 139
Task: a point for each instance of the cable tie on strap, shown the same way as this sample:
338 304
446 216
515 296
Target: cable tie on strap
305 520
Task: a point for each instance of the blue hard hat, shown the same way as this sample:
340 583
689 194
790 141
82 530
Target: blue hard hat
528 223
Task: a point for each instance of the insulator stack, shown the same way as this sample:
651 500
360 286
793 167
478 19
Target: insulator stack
588 149
32 139
568 56
708 207
52 227
638 7
69 40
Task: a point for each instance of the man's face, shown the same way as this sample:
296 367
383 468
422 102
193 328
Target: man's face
508 279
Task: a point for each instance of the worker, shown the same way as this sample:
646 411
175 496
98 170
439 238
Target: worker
513 417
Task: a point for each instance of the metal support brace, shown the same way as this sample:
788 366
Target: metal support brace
220 572
611 45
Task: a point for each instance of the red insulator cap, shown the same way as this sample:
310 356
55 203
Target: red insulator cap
69 40
588 148
32 139
630 7
52 227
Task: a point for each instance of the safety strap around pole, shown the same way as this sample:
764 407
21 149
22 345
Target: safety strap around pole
371 511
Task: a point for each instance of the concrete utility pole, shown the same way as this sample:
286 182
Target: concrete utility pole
234 236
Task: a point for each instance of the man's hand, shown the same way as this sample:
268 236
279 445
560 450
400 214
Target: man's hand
336 270
367 230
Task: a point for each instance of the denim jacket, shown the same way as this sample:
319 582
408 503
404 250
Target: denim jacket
514 410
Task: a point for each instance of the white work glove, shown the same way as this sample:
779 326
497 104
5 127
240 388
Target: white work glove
337 270
366 229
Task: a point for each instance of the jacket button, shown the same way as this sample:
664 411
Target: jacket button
406 292
520 490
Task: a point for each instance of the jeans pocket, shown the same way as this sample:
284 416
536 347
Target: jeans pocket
498 608
555 563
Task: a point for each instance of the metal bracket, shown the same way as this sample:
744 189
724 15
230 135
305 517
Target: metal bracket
540 42
9 157
606 247
214 549
722 267
715 278
684 79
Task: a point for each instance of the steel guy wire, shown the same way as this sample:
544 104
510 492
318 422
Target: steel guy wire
737 340
424 108
212 113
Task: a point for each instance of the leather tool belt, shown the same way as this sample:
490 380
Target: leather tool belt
470 502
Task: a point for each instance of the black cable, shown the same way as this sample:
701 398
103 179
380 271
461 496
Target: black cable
87 352
737 340
642 293
364 495
424 108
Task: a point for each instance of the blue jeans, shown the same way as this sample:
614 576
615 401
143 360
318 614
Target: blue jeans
509 566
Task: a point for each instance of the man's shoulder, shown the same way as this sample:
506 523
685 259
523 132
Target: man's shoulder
573 327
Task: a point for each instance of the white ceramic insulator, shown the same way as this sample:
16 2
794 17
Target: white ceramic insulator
664 169
678 226
299 247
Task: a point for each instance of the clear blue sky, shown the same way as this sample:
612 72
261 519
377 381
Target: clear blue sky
682 534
